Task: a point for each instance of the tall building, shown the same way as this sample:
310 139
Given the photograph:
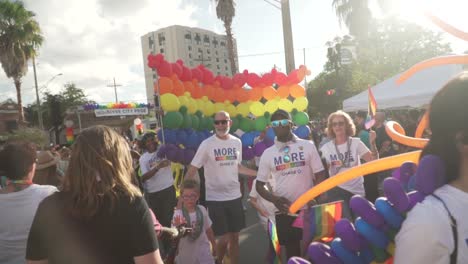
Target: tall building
193 46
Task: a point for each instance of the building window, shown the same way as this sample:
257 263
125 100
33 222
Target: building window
225 60
223 44
217 59
190 55
216 52
226 68
215 42
197 38
217 67
219 73
154 76
161 50
208 51
190 48
161 39
200 50
188 37
206 41
150 42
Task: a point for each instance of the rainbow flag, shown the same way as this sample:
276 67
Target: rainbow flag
275 242
371 109
322 220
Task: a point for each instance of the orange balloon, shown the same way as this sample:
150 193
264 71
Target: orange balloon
188 87
392 128
297 91
423 124
255 94
283 91
453 59
197 91
230 95
242 95
447 27
269 93
208 91
179 88
165 85
355 172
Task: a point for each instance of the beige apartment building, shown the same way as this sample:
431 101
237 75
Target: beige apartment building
194 46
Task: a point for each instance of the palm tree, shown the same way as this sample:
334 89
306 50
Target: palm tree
20 37
355 14
225 10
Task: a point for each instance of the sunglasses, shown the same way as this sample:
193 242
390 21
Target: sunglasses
340 123
221 122
189 197
277 123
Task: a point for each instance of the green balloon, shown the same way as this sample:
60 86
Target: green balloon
209 123
235 124
195 122
260 123
301 118
246 124
173 120
187 123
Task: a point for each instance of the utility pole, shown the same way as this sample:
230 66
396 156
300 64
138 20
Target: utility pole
287 36
305 75
115 90
38 102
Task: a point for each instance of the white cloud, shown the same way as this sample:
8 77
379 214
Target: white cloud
93 41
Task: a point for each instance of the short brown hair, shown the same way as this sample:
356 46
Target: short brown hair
17 159
350 127
190 184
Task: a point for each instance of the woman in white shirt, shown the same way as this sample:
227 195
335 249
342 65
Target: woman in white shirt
436 230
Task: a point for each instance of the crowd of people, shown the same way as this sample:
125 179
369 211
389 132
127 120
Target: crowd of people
107 200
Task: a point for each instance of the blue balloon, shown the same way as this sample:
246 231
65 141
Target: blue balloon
192 141
270 134
169 136
371 233
247 139
390 214
302 132
346 255
181 137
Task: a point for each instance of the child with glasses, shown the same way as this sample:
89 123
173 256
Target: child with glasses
194 247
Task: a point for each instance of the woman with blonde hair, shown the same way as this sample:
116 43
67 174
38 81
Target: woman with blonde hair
99 216
343 152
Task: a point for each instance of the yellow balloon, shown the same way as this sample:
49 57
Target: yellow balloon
219 107
271 106
257 109
285 104
208 108
184 100
231 109
300 103
243 109
192 106
170 102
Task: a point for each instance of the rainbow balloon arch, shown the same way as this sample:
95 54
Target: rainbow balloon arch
191 96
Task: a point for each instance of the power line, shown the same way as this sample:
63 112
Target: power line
275 52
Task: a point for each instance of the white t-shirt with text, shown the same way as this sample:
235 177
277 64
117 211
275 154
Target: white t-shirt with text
162 179
17 210
294 177
426 235
220 160
335 160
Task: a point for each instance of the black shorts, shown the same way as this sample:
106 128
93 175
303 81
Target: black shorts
162 203
227 216
287 234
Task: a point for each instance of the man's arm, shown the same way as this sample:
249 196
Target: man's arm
280 202
149 174
192 173
246 171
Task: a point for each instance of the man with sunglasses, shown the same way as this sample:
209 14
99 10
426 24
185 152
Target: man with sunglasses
220 155
296 167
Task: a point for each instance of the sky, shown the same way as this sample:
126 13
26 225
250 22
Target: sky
93 41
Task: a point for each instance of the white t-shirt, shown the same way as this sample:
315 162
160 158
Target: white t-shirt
17 212
265 205
426 234
162 179
198 251
292 178
220 159
334 161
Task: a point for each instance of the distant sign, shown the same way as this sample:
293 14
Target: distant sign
348 54
121 112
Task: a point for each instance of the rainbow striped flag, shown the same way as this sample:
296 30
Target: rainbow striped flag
274 242
371 109
322 220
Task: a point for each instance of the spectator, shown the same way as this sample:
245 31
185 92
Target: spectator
221 156
46 169
344 152
18 200
99 216
295 166
436 230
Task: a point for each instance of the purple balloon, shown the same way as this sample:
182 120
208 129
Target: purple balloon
188 156
247 153
345 230
171 152
259 148
298 260
321 253
414 198
407 170
396 174
268 142
162 151
365 209
396 194
430 174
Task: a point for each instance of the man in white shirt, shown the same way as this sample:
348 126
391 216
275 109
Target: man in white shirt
295 166
221 156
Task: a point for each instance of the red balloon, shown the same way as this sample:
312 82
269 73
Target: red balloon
208 77
186 74
239 79
253 80
177 69
281 78
293 78
267 79
165 69
226 83
197 74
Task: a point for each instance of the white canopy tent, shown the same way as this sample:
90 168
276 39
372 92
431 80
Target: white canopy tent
415 92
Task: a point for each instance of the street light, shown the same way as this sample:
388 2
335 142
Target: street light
39 113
